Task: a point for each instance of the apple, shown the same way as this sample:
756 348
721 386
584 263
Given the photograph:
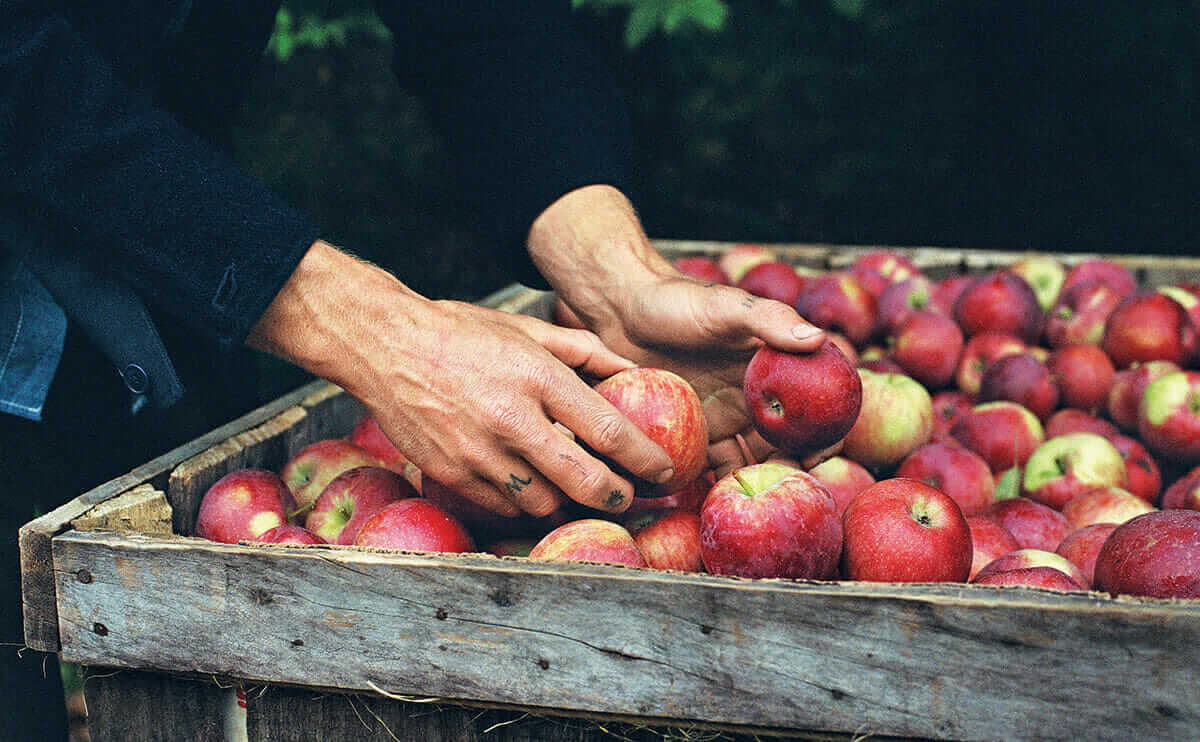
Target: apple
843 478
773 279
989 541
928 347
286 534
1104 505
1008 484
1023 379
589 540
1029 558
1003 433
740 258
1071 420
1082 546
667 409
414 524
242 505
1047 578
1169 417
1184 493
351 499
648 498
668 539
902 530
1032 524
882 365
978 353
367 435
1044 274
947 292
1154 555
1000 302
1142 476
1083 374
948 406
876 269
896 418
1115 275
702 268
843 343
802 403
954 470
1080 314
837 302
1067 465
770 520
1148 326
1128 387
1189 300
312 469
901 299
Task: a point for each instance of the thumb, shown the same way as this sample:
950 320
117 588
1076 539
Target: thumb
775 323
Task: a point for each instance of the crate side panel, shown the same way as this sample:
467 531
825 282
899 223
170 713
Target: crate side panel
129 706
619 641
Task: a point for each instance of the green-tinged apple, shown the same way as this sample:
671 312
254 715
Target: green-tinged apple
802 403
1004 434
837 302
1082 547
896 419
351 499
1068 465
843 478
1155 555
740 258
665 407
589 540
242 505
902 299
1169 417
312 469
875 269
770 520
1128 387
1080 314
1044 274
1027 558
414 524
1104 505
902 530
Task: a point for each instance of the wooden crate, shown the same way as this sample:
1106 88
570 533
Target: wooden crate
336 643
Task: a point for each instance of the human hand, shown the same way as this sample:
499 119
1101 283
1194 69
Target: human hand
470 395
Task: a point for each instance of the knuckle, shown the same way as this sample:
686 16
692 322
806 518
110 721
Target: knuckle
608 432
507 419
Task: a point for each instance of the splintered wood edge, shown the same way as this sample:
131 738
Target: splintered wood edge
143 509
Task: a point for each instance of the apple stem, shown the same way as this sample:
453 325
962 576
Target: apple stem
745 486
301 510
750 460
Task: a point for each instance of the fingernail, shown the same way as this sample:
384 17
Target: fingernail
804 332
664 476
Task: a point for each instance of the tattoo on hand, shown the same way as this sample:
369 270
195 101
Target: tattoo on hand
748 302
614 499
515 484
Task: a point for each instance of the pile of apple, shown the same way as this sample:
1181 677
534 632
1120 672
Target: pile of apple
1011 428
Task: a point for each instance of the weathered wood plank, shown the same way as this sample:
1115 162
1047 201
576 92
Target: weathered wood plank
126 706
955 662
142 509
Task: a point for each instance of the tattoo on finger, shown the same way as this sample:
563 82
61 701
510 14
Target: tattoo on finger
515 484
615 498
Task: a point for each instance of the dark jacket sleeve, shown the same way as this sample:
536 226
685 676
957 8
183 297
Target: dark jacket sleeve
151 201
528 112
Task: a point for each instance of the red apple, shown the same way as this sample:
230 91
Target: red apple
1155 555
367 435
1023 379
242 505
1004 434
1142 476
1047 578
843 478
702 268
1148 326
802 403
902 530
740 258
999 302
947 292
351 499
647 498
900 300
948 407
928 347
414 524
1071 420
668 539
896 418
875 269
667 409
312 469
1104 505
989 541
978 353
1189 300
1030 558
1117 276
843 343
1084 374
1080 314
881 366
1082 547
1032 524
953 469
773 279
837 302
1068 465
1044 274
1184 493
1169 417
286 534
589 540
770 520
1128 387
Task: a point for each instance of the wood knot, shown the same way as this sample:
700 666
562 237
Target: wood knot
441 614
84 576
100 629
544 664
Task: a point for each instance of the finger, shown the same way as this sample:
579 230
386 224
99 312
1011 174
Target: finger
583 477
737 315
521 485
813 459
484 494
579 349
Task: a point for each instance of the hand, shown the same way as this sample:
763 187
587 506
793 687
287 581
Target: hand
592 249
470 395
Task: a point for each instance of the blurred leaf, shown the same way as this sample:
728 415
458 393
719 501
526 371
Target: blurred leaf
643 20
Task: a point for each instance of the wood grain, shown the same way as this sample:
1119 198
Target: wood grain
947 662
142 509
